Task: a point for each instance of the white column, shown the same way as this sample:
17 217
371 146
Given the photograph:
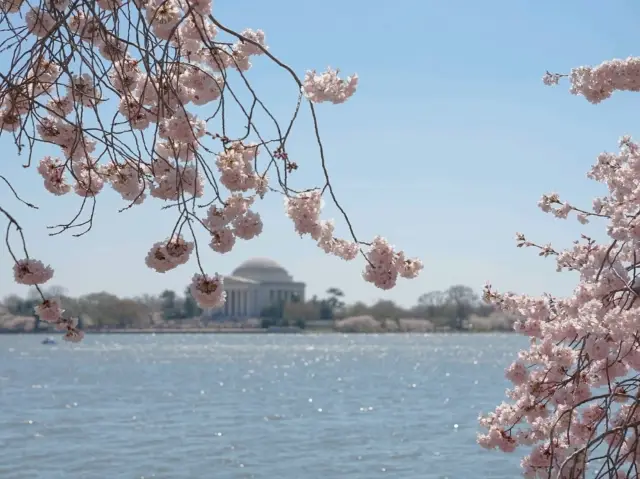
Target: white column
254 308
257 299
236 304
244 303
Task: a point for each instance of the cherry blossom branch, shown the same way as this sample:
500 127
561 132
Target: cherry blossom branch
588 341
138 95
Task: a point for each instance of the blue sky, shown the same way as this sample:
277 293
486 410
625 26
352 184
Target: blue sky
445 149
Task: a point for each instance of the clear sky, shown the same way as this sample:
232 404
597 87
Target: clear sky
445 148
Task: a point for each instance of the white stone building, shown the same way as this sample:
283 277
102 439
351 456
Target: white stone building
255 285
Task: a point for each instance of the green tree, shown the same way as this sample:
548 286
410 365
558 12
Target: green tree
452 307
169 305
297 314
107 310
274 311
464 301
56 291
190 308
154 303
357 309
334 304
385 309
431 304
18 306
326 311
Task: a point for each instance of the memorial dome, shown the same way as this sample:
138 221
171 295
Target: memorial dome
262 270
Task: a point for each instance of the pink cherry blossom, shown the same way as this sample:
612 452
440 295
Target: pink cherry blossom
109 4
304 209
72 334
247 226
344 249
575 388
148 117
517 373
176 182
39 22
208 291
83 90
10 120
167 255
52 170
384 264
31 272
235 165
328 86
246 48
11 6
61 106
222 240
49 310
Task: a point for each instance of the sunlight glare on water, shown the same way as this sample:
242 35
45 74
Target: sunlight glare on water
252 406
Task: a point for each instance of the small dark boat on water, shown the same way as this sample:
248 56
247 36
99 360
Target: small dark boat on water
48 341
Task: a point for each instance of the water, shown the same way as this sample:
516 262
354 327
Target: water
252 406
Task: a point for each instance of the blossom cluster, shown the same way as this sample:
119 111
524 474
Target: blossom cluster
384 263
328 86
154 148
32 272
574 393
598 83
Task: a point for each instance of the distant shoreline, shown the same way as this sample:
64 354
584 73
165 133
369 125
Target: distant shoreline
150 331
242 331
182 331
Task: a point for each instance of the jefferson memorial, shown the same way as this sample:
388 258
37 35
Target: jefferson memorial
257 284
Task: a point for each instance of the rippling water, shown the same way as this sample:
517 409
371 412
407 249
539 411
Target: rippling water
252 406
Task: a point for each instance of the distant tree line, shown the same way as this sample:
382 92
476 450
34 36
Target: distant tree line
451 309
106 310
